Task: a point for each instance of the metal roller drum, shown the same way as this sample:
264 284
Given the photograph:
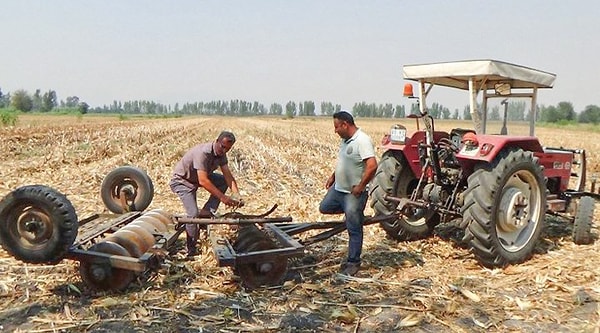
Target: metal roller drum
151 228
165 220
132 242
99 275
163 213
161 227
146 236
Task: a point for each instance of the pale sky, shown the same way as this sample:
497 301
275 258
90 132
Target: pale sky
276 51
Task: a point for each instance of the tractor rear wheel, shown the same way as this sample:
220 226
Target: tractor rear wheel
582 226
126 189
395 178
505 208
37 224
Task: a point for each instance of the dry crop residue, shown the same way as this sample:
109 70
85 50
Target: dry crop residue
423 286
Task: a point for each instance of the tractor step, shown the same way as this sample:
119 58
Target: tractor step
556 205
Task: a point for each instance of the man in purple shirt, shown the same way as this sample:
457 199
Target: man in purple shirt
196 169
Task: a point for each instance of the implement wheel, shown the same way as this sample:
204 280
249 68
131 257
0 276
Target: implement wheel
582 226
127 189
37 224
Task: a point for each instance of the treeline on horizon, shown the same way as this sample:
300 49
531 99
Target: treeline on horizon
23 101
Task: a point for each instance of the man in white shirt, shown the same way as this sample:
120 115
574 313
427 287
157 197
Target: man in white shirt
347 185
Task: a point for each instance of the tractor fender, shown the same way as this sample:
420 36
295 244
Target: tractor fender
488 147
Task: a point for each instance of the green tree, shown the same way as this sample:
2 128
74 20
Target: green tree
414 108
49 101
71 101
467 113
4 99
327 108
549 114
276 109
445 113
591 114
258 109
309 108
516 111
37 100
566 110
563 111
83 107
455 114
290 109
495 113
22 101
400 111
387 110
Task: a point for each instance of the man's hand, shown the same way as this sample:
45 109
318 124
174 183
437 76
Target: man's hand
357 190
237 197
233 201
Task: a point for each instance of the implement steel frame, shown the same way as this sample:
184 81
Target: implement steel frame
282 229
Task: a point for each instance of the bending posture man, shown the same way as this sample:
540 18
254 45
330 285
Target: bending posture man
196 169
346 187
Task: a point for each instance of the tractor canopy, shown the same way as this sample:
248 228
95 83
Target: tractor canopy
493 78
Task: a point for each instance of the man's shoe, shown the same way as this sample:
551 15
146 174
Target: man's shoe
192 253
350 268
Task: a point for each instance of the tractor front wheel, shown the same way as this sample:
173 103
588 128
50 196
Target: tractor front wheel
505 208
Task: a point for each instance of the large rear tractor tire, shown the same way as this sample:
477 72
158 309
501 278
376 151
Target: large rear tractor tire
37 224
395 178
127 189
504 209
582 226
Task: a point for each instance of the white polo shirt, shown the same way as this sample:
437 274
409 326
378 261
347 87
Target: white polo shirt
350 165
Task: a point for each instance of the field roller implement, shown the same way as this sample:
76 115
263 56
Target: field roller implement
39 225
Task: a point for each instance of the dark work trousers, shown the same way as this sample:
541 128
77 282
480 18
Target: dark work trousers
188 197
336 202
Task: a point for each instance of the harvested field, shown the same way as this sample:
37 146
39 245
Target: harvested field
430 285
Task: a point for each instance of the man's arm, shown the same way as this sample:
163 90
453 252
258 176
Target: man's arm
229 179
370 169
205 182
330 181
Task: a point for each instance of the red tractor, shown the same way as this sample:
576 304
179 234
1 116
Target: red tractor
497 188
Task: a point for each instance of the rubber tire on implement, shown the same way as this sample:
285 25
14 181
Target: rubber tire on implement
499 196
394 178
582 225
37 224
135 180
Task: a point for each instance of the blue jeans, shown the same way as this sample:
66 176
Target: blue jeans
353 207
188 198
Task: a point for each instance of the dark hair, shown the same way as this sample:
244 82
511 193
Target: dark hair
344 116
226 134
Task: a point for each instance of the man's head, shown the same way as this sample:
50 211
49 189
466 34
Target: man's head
343 123
224 143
